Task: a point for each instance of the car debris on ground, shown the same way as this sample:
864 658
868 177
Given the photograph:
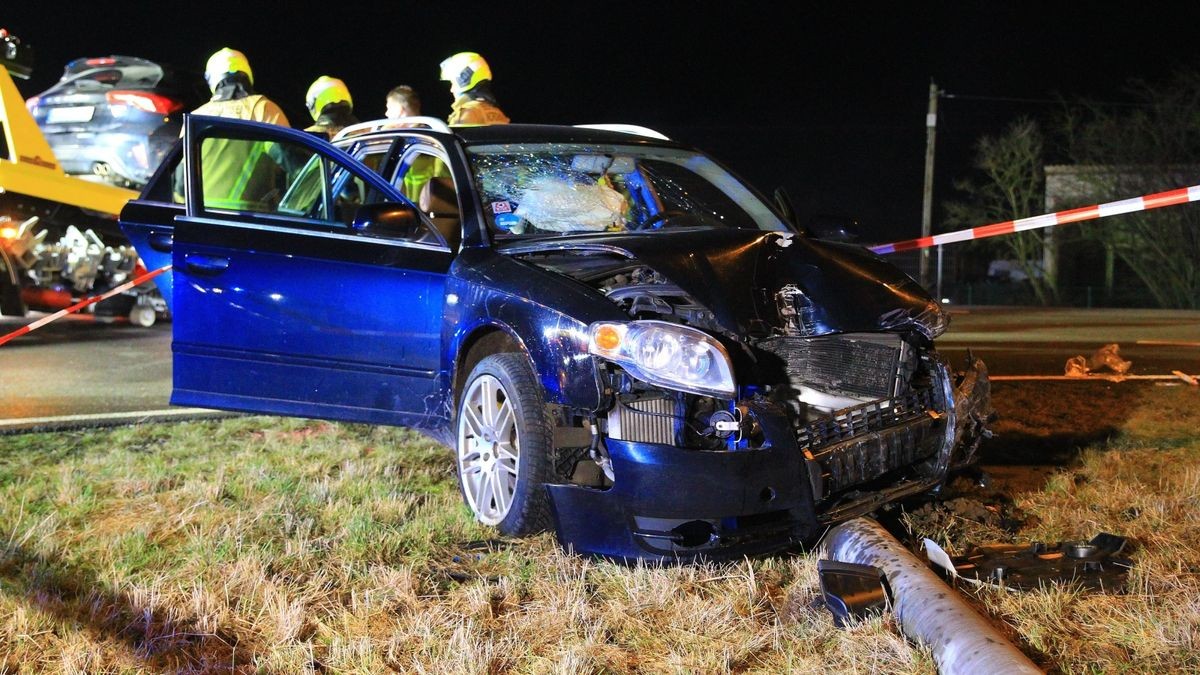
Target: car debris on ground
852 592
1093 565
1108 356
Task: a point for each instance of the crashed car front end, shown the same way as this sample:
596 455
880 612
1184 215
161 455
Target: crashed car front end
756 385
727 439
755 479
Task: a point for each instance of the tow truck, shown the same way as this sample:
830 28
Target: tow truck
59 239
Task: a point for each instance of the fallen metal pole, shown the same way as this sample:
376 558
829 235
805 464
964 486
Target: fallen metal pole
963 642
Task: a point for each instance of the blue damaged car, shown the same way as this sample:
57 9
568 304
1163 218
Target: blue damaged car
619 339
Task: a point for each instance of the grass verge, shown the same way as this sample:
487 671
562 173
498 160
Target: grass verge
291 546
1138 478
274 545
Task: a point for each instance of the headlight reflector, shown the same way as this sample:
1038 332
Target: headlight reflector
665 354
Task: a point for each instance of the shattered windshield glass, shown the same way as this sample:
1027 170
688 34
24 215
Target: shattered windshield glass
566 188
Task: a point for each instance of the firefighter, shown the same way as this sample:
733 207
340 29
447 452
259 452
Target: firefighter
239 175
328 101
232 84
471 83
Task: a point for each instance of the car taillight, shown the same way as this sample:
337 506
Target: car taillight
144 101
106 61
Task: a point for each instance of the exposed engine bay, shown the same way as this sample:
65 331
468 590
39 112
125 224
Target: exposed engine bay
865 408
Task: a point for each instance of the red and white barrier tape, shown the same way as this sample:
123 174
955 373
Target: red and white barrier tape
1154 201
81 304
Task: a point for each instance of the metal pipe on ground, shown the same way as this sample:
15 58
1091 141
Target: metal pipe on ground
928 610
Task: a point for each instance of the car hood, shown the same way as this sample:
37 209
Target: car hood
740 276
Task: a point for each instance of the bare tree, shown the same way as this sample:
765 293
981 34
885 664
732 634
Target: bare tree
1011 186
1143 149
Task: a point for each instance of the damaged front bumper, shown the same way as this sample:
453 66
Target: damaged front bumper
671 503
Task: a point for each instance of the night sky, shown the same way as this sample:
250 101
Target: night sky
830 104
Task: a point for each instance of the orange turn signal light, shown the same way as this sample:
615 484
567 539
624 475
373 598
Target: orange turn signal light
608 338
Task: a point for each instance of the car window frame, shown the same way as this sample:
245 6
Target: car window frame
199 127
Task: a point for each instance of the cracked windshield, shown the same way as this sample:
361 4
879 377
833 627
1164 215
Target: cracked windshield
557 188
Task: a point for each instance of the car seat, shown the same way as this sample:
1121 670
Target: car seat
439 201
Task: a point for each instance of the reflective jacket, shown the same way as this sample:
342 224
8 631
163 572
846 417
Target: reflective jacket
241 175
467 111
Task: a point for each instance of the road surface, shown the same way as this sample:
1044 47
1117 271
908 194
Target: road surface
76 366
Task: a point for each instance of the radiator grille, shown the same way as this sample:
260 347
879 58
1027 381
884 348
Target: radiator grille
841 364
858 444
865 419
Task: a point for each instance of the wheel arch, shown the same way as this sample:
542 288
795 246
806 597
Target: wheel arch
480 343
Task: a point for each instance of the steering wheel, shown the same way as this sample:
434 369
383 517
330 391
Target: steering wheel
648 223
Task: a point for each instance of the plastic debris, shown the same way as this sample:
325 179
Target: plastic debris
1094 564
852 591
1108 356
938 556
1077 366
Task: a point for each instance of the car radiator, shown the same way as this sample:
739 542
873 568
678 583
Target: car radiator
858 365
645 420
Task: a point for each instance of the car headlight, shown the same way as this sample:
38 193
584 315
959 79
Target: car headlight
665 354
930 321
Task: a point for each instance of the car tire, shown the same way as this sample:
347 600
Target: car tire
504 445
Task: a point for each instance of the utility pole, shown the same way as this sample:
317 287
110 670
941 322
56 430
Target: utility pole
927 201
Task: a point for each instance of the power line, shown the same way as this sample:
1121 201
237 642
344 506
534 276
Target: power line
1010 99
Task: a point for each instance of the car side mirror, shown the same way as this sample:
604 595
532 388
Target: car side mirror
387 219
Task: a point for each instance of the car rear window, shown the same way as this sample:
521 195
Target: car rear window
140 76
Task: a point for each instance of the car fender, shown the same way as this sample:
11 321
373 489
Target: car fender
554 344
546 314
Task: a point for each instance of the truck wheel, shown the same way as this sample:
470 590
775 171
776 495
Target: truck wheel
142 315
504 446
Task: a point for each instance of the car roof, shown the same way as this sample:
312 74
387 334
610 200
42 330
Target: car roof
537 133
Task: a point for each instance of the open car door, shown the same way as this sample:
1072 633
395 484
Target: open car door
304 284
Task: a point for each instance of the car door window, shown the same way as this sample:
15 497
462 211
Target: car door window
239 174
416 167
424 178
305 195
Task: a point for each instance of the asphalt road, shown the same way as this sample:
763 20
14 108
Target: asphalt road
1026 341
76 366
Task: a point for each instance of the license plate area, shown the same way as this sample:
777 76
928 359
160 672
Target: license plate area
72 114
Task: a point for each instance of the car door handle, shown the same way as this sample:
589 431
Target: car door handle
205 265
161 241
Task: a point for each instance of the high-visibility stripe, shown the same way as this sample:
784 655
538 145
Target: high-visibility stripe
1143 203
29 328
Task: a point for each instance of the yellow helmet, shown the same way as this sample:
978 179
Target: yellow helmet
464 70
222 63
323 91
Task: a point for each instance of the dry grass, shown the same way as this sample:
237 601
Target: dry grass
1142 483
1145 485
286 546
